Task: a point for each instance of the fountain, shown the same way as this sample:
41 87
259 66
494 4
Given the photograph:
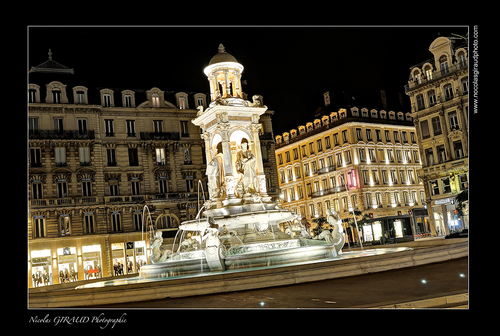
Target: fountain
239 223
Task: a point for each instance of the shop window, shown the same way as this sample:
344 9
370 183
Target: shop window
92 262
41 268
68 271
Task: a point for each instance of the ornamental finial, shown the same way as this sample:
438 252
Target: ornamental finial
221 48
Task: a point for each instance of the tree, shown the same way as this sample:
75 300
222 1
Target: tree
461 202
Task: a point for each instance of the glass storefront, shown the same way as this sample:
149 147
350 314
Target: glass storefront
41 268
92 262
66 264
128 257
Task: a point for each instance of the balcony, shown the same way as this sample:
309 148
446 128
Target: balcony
56 134
160 136
438 74
328 191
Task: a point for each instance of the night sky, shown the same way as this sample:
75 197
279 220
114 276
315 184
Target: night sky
290 67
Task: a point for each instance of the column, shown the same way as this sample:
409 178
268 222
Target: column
228 167
226 73
238 84
258 154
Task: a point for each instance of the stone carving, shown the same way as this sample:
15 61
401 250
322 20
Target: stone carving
246 164
215 174
215 251
338 231
158 256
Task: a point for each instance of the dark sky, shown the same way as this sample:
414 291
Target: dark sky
290 67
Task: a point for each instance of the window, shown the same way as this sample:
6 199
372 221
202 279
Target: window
58 125
339 159
394 179
32 96
60 153
364 173
163 186
187 156
182 102
371 154
429 156
109 127
344 136
297 172
448 92
443 64
415 156
412 137
327 142
402 176
432 97
335 139
82 126
453 120
116 223
130 128
160 157
463 181
424 128
155 100
446 185
420 102
80 97
86 188
189 185
311 147
35 157
362 156
465 85
137 221
396 136
320 145
113 189
375 176
384 177
314 167
184 128
84 156
62 189
56 96
111 153
457 149
389 155
39 224
381 155
387 136
136 188
128 100
33 125
280 159
304 150
36 190
378 135
428 72
133 159
200 101
157 126
88 223
358 134
106 100
398 155
287 156
441 154
348 156
434 187
295 154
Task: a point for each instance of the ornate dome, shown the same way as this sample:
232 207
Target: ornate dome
222 56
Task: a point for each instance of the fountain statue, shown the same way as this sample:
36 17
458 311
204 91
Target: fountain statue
240 223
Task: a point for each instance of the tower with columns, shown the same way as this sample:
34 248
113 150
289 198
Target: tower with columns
230 127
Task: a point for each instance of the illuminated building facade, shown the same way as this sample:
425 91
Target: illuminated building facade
352 158
96 156
439 90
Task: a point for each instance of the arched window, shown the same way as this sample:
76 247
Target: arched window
443 65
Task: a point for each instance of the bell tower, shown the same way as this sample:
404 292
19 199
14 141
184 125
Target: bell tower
224 75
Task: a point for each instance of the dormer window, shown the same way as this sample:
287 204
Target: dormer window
128 98
182 102
56 96
155 100
80 97
106 100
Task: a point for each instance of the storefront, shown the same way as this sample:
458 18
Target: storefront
69 259
446 218
421 223
386 230
128 257
41 268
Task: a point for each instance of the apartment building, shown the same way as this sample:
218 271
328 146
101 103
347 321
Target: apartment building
439 91
353 158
